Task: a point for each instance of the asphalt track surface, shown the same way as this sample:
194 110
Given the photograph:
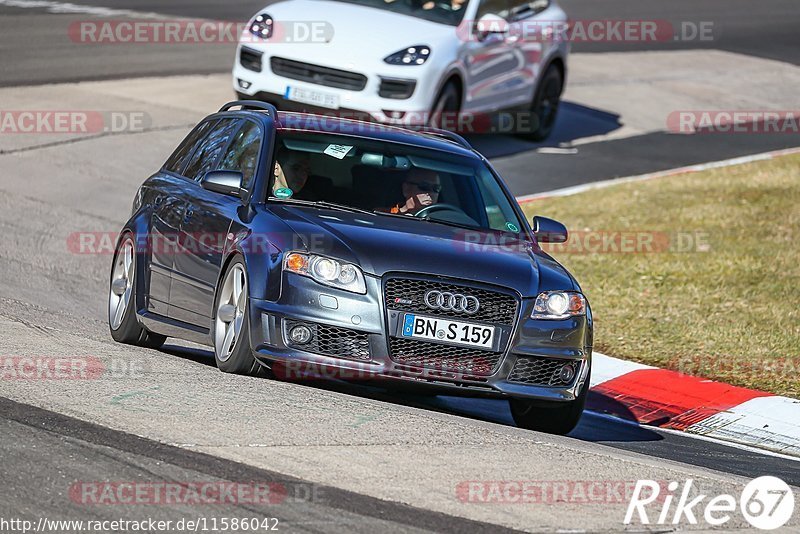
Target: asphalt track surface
53 435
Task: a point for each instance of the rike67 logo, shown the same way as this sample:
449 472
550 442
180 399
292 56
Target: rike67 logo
767 503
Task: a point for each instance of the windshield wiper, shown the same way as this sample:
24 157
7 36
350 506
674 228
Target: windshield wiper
321 204
337 206
446 223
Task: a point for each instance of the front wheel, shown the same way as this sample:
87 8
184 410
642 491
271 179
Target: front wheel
122 322
550 417
544 107
231 326
444 114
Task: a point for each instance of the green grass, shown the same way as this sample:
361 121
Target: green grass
726 310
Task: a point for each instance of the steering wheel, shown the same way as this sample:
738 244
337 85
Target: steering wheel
425 212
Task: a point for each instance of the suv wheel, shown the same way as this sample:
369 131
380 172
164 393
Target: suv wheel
446 107
544 107
551 417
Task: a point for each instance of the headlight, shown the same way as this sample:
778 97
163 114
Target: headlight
413 55
262 26
327 271
137 202
558 305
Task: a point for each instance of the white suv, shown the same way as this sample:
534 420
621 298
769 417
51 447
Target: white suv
409 62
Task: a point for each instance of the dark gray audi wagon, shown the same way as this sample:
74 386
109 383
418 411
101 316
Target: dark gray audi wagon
310 245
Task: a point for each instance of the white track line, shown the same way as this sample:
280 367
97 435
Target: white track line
566 191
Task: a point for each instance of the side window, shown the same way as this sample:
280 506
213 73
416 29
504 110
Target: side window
495 7
177 161
242 154
210 148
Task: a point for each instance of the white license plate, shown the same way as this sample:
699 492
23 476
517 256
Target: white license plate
315 98
445 330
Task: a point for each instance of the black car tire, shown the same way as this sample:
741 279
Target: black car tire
550 417
544 106
241 360
129 330
447 102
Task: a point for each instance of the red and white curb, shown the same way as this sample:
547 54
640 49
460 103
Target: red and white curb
669 399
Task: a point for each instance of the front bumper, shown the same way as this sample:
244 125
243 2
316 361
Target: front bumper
364 104
367 317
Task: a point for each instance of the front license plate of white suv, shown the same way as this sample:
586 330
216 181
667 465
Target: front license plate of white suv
445 330
315 98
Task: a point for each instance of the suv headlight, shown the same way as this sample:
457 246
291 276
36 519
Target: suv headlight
413 55
262 26
326 271
558 305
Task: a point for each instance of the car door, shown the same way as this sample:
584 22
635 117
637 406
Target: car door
204 228
166 197
495 67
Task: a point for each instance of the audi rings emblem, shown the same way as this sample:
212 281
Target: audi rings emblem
442 300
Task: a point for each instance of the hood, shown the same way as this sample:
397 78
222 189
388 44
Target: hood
358 32
381 244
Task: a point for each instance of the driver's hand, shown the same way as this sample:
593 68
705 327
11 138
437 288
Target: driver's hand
416 203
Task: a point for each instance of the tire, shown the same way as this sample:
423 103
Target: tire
122 321
230 326
544 107
448 104
550 417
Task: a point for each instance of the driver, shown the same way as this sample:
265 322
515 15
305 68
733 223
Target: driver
421 188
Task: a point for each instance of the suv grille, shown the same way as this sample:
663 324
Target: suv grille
541 371
443 357
498 308
317 74
332 341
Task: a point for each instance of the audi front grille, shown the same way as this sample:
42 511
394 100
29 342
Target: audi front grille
408 295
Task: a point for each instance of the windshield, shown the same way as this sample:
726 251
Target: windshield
390 179
442 11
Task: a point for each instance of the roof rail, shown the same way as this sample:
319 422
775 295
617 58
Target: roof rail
251 104
451 136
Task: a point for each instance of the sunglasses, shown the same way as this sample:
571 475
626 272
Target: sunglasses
427 187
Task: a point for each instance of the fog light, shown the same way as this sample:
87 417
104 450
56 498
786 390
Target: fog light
397 115
244 84
567 373
300 334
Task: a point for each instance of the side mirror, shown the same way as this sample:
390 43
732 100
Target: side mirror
490 24
549 231
224 182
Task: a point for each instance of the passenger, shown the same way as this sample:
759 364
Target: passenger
291 171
